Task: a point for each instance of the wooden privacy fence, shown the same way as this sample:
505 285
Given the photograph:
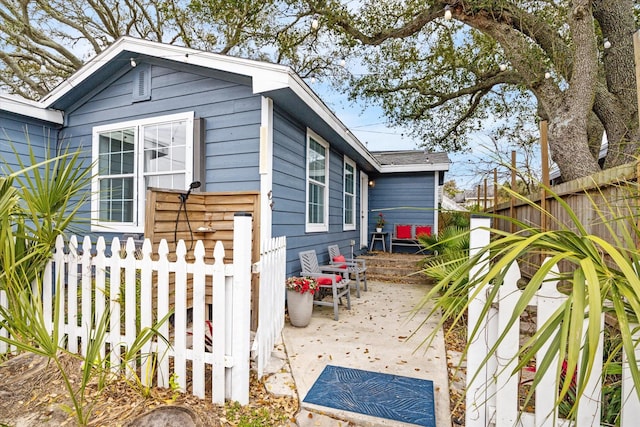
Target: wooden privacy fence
613 192
94 284
272 268
210 219
492 397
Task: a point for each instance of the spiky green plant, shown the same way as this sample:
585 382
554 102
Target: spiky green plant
448 218
449 249
600 273
44 198
37 204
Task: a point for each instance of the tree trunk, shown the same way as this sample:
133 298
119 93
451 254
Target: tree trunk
616 103
567 110
568 144
568 136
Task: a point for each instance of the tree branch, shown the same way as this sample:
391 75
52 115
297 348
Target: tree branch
484 84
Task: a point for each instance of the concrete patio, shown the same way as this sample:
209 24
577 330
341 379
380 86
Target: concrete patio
375 335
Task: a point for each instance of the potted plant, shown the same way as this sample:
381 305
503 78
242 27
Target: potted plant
380 222
300 292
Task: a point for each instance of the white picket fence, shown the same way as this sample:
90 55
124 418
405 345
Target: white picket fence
492 397
272 268
88 280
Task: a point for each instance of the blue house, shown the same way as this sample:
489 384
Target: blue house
157 115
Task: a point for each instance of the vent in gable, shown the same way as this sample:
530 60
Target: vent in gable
142 83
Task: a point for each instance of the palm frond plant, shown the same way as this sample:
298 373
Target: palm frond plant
448 218
51 192
37 204
598 271
449 250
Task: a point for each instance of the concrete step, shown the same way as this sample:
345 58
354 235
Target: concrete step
397 268
416 279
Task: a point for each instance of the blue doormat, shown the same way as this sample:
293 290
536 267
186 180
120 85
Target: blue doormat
394 397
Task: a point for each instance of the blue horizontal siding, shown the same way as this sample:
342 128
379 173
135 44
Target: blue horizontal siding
31 136
18 133
403 199
230 110
289 194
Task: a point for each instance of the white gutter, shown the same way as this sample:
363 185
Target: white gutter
310 98
430 167
271 76
28 108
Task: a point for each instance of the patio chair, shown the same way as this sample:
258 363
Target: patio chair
357 267
328 277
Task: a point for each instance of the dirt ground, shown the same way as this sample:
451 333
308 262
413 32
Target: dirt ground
32 393
455 339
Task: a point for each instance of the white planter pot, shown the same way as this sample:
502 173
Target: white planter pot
379 230
300 308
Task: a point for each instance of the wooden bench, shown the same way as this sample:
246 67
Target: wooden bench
407 235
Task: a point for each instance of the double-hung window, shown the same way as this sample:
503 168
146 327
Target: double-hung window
128 158
349 202
317 183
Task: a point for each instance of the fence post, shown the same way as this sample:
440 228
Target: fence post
162 307
115 309
180 316
507 351
197 328
549 299
87 290
476 398
238 374
630 402
100 262
221 318
131 303
72 305
59 290
589 408
146 310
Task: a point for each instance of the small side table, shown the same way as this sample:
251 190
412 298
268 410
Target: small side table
379 237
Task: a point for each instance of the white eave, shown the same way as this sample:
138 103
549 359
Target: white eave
28 108
428 167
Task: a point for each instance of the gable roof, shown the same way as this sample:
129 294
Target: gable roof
411 161
276 81
24 107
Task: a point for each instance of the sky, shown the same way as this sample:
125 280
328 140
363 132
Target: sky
369 125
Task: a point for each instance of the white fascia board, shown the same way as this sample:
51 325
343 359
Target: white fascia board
266 76
435 167
28 108
84 72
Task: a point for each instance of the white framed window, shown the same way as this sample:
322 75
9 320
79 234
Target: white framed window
131 156
317 183
349 195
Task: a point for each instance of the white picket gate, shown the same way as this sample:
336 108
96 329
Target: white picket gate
89 280
492 397
272 269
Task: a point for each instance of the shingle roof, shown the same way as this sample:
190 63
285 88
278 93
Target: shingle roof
410 157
